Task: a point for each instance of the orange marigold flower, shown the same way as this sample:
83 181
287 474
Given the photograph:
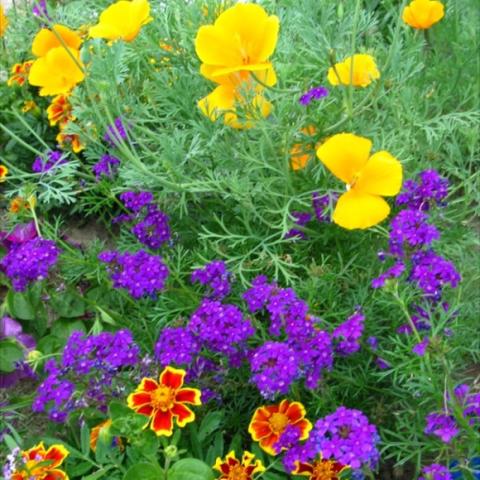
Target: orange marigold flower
301 153
28 105
320 469
41 464
165 400
19 203
122 20
19 73
232 469
71 139
359 70
60 111
3 22
3 173
422 14
270 421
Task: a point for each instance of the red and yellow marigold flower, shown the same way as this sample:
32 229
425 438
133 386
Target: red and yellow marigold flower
29 105
58 68
368 179
231 468
3 173
270 421
359 70
320 469
60 111
122 20
165 400
422 14
301 153
19 73
70 139
41 464
18 204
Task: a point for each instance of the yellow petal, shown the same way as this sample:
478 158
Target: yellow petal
215 46
103 30
382 175
360 210
359 70
422 14
220 100
236 75
345 154
46 39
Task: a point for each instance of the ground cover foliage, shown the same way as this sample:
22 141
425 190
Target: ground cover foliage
132 246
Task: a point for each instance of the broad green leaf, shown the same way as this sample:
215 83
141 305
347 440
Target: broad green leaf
190 469
68 305
210 423
144 471
10 352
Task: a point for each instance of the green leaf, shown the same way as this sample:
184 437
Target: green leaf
190 469
99 473
68 305
145 471
10 352
210 423
20 306
85 439
118 410
62 328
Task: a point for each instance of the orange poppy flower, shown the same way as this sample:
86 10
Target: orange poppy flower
232 469
165 400
321 469
361 74
41 464
19 73
71 139
422 14
301 153
60 111
368 179
3 173
270 421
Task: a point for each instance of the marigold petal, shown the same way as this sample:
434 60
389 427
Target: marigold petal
162 423
146 410
183 414
359 210
268 442
295 411
382 175
172 377
136 400
345 154
302 468
259 430
148 384
56 454
55 475
189 395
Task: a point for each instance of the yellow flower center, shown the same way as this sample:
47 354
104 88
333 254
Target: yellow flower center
238 473
163 398
323 471
278 422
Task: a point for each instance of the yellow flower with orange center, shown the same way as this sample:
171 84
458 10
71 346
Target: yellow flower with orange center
301 153
60 111
422 14
58 68
3 22
3 173
368 179
122 20
359 70
165 400
320 469
270 421
19 73
231 468
70 139
41 464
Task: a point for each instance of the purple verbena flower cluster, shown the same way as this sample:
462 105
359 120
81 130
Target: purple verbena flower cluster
348 334
107 166
442 425
151 225
116 133
436 472
216 276
315 93
300 219
29 262
139 273
53 160
87 373
289 438
176 346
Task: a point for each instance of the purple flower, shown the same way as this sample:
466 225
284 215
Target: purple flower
394 271
221 328
176 346
373 343
320 205
299 453
275 367
347 436
39 9
431 189
288 438
436 472
116 133
135 201
441 425
29 262
52 160
258 295
315 93
381 363
106 166
10 465
216 276
139 273
20 234
420 348
349 332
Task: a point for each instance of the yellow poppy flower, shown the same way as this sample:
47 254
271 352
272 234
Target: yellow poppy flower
242 39
364 71
57 72
45 40
422 14
225 100
368 179
3 22
122 20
